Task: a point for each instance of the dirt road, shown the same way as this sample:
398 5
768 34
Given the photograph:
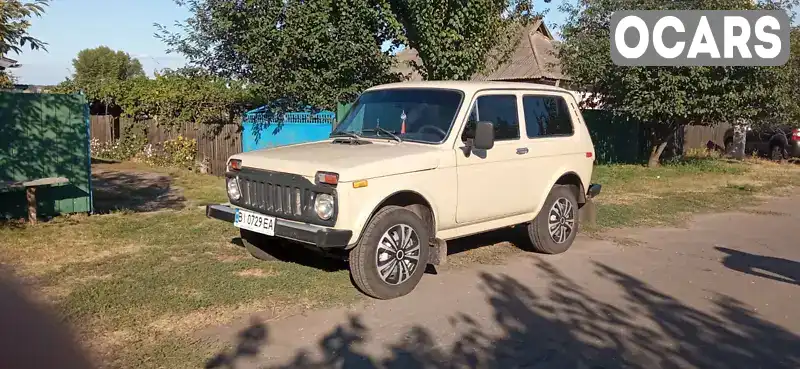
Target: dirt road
723 293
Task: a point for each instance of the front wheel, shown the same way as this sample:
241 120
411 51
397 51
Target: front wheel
391 256
776 153
555 227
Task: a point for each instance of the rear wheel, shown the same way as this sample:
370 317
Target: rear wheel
391 256
554 228
261 246
776 152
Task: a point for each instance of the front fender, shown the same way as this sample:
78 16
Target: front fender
366 201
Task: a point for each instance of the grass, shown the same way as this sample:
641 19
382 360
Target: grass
128 281
138 287
637 196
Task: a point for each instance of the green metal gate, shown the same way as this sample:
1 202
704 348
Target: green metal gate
42 136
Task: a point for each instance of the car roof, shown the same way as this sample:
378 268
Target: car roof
470 86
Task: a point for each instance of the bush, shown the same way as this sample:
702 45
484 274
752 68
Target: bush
124 149
179 152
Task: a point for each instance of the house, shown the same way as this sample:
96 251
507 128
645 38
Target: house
533 60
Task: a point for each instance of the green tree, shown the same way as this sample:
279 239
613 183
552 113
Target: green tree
99 71
15 22
296 52
456 39
792 73
668 97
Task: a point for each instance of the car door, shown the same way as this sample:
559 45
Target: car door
489 181
553 142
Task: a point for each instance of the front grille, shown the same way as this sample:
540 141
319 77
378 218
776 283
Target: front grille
276 198
283 195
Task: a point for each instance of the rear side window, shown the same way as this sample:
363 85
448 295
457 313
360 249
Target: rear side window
546 116
501 110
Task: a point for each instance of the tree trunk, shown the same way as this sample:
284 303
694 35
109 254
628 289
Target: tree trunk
739 140
655 154
661 138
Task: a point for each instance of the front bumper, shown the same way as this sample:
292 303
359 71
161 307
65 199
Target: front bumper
319 236
794 149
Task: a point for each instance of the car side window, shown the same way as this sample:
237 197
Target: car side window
546 116
501 110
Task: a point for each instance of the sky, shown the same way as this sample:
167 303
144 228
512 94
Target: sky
69 26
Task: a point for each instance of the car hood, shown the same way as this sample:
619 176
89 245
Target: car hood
352 162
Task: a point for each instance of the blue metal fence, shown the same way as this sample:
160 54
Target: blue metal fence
262 129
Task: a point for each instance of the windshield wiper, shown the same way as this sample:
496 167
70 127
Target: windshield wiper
384 130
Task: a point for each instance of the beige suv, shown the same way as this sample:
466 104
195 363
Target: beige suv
413 165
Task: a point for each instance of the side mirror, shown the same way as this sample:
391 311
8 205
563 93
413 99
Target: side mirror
484 136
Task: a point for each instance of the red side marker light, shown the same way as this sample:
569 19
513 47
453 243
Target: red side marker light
589 154
328 178
235 164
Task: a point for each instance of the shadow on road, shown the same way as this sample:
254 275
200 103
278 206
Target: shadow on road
514 235
134 191
768 267
566 327
298 253
336 260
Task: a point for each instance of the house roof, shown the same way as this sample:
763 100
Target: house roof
7 62
533 58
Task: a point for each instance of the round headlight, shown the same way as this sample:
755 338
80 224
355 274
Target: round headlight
323 206
233 189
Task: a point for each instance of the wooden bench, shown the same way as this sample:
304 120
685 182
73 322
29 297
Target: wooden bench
30 191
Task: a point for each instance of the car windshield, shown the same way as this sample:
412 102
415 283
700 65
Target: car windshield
420 115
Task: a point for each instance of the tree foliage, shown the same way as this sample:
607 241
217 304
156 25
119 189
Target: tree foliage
184 95
792 75
327 51
14 24
298 52
669 97
99 71
456 39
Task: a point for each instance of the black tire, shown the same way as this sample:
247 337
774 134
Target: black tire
364 257
261 246
776 152
538 231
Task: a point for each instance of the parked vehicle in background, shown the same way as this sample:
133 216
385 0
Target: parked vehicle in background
414 165
778 142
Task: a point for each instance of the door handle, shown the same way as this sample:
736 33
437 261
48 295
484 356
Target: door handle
522 151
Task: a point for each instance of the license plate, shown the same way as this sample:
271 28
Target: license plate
255 222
